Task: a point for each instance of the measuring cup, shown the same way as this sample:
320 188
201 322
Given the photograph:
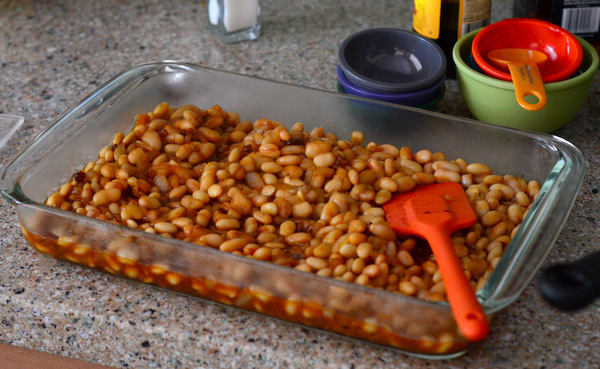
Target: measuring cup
523 65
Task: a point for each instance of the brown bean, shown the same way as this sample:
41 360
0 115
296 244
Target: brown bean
491 218
235 244
263 217
325 159
165 227
407 288
476 267
227 224
316 147
316 263
136 156
289 160
262 253
382 197
104 197
298 238
152 139
423 156
357 138
515 213
445 175
269 150
405 258
302 210
287 228
239 201
406 183
383 231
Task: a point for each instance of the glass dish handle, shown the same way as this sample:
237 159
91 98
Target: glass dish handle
9 125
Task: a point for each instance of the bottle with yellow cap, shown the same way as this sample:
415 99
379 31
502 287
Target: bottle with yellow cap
445 21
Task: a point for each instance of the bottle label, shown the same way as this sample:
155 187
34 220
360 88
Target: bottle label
474 14
426 18
582 17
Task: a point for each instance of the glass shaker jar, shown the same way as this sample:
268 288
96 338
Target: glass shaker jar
234 20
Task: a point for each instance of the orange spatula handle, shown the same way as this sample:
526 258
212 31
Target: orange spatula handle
467 311
528 81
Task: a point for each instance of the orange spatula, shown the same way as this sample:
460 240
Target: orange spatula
433 212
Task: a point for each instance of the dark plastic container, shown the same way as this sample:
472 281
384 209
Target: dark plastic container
391 60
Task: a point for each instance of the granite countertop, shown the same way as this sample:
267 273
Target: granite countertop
54 53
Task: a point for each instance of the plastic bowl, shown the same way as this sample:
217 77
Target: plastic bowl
562 48
391 60
410 98
430 105
493 100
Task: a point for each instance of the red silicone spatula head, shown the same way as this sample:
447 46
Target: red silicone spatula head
412 213
433 212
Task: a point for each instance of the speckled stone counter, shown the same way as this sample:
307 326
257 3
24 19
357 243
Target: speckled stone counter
54 53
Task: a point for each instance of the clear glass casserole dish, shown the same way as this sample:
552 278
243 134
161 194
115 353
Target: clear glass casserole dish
411 325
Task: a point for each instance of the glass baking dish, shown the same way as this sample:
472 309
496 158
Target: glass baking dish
408 324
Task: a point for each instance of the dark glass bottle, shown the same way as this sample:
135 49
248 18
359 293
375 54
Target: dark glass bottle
445 21
580 17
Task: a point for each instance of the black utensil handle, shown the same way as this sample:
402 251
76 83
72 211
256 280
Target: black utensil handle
572 286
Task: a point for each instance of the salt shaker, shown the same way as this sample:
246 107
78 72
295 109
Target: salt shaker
234 20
